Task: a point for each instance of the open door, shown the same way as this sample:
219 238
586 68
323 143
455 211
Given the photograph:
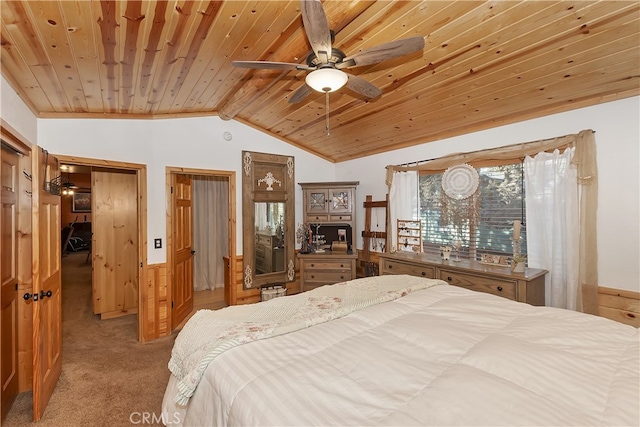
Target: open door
8 300
47 279
114 247
182 289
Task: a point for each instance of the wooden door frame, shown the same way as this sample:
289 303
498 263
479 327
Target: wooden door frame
141 175
231 176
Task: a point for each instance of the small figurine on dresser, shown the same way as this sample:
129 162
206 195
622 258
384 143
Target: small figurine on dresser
445 252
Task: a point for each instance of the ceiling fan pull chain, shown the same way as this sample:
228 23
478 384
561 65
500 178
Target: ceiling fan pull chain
327 113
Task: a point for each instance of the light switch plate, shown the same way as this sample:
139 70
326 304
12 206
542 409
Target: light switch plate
157 243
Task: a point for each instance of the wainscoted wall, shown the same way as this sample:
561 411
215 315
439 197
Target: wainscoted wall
156 303
620 305
238 295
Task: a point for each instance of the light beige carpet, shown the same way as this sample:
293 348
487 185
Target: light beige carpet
108 378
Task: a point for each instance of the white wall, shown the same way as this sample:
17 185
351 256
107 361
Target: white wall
190 143
617 126
198 143
15 112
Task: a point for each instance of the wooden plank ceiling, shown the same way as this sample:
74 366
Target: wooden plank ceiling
485 64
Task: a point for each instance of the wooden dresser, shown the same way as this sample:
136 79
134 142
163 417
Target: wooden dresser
331 207
524 287
325 269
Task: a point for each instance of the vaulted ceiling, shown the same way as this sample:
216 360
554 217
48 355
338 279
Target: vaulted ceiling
484 64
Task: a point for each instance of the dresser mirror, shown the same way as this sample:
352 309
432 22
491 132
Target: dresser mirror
268 230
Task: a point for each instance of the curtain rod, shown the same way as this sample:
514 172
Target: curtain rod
418 162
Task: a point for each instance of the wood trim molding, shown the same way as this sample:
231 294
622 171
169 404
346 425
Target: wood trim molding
102 163
13 138
143 331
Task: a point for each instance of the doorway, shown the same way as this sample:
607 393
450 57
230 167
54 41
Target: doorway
108 206
200 239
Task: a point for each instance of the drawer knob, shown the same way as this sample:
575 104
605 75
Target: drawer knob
449 278
390 266
313 277
313 265
340 217
500 288
341 265
341 277
424 274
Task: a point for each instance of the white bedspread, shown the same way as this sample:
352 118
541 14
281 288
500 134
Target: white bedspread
439 356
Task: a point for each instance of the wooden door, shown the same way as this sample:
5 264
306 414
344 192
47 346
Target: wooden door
47 297
9 283
114 246
182 283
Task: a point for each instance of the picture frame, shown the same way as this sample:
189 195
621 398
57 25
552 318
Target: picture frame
490 259
81 202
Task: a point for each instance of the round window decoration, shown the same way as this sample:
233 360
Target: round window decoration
460 181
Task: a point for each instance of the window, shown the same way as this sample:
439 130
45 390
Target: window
499 201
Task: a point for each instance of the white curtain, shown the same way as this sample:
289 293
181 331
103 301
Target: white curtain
553 223
403 202
210 231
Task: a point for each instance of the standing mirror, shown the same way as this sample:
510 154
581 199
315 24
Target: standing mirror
268 232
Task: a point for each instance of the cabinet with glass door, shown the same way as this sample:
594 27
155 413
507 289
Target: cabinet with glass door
330 208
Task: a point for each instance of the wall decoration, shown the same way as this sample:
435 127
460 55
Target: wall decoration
460 181
460 198
81 202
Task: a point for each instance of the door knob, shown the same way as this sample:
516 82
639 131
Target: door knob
193 252
27 296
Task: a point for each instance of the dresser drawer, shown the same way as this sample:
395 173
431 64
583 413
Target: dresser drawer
503 288
326 277
317 218
396 267
324 265
326 269
338 218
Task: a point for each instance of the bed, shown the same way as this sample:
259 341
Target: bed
402 350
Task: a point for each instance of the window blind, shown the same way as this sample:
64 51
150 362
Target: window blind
500 201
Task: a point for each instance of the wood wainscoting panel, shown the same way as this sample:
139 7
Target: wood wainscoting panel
156 309
238 295
619 305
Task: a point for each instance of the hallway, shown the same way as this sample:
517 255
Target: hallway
107 375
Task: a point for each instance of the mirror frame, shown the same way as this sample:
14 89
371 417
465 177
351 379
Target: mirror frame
257 186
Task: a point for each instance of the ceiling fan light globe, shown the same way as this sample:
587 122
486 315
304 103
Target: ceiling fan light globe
326 79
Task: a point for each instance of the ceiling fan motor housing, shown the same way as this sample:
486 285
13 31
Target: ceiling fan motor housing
336 57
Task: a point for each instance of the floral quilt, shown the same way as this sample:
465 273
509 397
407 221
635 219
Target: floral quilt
210 333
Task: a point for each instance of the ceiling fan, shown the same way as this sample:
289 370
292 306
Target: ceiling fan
326 63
